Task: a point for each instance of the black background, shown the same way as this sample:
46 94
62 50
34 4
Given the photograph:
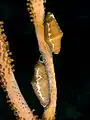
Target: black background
71 65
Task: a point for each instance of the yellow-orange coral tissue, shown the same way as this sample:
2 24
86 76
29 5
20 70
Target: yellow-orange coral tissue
49 37
8 82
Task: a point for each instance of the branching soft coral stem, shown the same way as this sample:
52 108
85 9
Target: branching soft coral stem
9 84
37 13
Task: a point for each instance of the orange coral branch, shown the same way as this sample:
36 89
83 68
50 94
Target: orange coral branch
9 84
37 12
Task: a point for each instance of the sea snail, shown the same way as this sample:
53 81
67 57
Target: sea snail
40 84
52 33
